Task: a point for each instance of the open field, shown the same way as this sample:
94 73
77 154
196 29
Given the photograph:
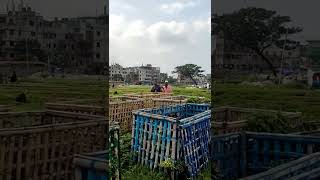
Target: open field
286 98
177 90
40 91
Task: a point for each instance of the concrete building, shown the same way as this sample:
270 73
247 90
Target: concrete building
72 43
145 74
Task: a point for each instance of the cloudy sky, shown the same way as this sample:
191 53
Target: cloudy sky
165 33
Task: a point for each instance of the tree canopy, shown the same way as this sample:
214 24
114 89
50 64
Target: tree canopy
190 71
256 29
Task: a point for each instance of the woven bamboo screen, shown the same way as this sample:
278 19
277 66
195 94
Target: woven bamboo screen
120 110
44 148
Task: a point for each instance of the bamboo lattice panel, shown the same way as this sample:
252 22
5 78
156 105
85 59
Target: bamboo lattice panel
120 110
45 151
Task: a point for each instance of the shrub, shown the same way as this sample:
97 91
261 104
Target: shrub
269 123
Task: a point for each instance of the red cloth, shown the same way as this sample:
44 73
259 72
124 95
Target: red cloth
167 89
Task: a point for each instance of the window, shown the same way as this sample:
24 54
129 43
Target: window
72 46
12 55
54 45
98 56
98 44
49 45
20 33
98 33
11 43
33 33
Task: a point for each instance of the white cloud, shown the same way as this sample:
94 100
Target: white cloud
176 7
202 25
166 44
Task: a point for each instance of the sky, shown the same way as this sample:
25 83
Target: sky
303 13
166 33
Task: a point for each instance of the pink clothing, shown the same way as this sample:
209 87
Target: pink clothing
167 89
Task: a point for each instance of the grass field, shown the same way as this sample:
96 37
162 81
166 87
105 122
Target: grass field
40 91
286 98
177 90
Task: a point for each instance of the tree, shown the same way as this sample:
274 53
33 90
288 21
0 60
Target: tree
189 71
256 29
171 79
163 76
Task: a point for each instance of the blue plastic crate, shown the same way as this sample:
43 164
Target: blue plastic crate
241 154
180 132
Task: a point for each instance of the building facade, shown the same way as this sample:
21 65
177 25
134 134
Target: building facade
68 42
144 74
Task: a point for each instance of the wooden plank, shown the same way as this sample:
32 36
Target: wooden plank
158 145
37 157
19 158
168 140
163 141
3 150
144 142
45 156
9 163
149 141
174 141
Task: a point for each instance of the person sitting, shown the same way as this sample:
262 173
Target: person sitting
167 88
156 88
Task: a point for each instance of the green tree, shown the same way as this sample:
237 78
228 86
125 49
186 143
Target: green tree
171 79
190 71
163 77
256 29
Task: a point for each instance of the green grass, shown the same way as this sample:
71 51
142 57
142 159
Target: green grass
41 91
286 98
177 90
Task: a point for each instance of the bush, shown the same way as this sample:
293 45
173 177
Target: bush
269 123
198 100
21 98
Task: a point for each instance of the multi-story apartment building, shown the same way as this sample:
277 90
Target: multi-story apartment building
68 42
145 74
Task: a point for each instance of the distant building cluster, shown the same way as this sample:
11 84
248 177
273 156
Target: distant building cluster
140 74
68 42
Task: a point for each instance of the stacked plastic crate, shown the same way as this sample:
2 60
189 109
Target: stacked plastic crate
179 132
